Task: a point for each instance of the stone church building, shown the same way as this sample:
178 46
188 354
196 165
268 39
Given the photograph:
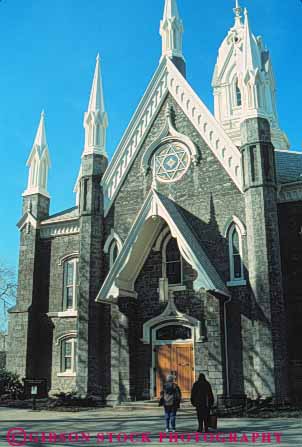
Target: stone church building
183 253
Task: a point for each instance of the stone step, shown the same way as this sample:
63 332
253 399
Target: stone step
150 405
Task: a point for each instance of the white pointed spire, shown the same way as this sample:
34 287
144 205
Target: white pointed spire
96 101
38 162
171 30
237 11
95 119
250 48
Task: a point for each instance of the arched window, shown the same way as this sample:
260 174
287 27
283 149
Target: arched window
238 94
68 348
235 255
112 247
113 252
70 284
172 261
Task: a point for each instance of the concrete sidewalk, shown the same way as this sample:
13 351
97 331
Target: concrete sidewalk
92 428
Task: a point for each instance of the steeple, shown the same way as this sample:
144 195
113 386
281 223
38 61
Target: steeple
38 163
95 119
244 83
171 30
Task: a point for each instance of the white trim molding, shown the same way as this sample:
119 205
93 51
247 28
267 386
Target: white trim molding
290 192
113 236
156 212
64 258
235 226
234 220
61 229
171 315
168 79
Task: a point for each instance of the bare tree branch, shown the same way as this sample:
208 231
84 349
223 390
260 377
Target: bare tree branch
8 284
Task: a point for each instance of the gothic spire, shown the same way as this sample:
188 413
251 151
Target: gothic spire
95 119
38 162
96 101
171 30
250 49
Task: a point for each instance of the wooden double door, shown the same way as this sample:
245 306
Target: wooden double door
176 359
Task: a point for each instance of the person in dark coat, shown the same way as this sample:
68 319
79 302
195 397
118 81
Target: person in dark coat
170 399
202 398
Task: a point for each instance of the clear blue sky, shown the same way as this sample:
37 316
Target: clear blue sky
48 51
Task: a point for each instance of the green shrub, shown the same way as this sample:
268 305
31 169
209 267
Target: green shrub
10 384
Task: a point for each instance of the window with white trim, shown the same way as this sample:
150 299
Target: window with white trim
68 355
70 284
235 255
172 262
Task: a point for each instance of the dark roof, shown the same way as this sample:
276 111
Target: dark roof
70 214
289 166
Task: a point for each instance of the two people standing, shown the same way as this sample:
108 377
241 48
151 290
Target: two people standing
201 397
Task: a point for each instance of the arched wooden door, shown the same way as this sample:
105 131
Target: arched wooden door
178 360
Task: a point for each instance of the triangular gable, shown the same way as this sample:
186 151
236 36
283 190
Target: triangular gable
157 211
167 79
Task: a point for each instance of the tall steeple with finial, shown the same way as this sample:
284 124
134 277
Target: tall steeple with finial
95 119
171 31
38 162
244 83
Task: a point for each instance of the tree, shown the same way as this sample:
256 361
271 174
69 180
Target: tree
8 290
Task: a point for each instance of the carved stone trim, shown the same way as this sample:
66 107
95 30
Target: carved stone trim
62 229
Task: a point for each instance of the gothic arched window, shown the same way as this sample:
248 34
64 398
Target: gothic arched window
172 261
235 255
238 94
112 247
70 284
113 252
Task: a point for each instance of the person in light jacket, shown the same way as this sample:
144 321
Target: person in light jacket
170 400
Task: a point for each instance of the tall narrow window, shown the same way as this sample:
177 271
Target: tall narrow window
172 262
235 254
113 252
238 95
70 284
68 355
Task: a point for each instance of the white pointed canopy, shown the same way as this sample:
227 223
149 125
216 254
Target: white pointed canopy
171 10
171 30
251 60
38 162
95 119
96 101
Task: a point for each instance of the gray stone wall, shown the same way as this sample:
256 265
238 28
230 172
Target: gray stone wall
208 199
290 219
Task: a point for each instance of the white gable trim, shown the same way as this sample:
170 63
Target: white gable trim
120 280
210 130
135 134
166 79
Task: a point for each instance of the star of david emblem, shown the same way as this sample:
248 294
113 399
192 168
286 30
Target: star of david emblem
171 162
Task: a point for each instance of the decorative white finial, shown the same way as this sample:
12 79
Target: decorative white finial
95 119
237 11
171 30
38 162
